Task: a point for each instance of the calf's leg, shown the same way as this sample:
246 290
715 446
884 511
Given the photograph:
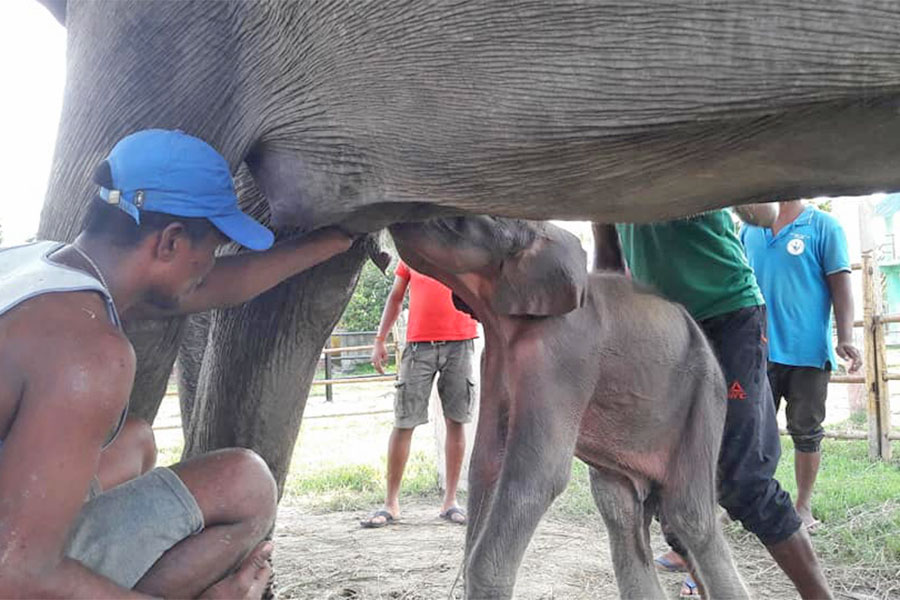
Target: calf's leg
621 505
535 469
688 499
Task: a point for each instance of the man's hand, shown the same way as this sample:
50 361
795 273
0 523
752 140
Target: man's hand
379 355
850 354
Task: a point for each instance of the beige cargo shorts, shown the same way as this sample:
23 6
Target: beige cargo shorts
420 362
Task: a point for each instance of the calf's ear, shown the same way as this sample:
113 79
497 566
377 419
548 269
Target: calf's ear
547 278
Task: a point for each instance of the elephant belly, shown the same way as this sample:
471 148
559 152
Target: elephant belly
623 447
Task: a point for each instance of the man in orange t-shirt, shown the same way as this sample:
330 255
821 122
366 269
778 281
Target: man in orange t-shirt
438 340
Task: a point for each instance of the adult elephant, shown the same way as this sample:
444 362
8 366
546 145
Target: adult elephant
366 113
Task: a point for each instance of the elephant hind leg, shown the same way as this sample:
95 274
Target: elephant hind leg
689 520
627 507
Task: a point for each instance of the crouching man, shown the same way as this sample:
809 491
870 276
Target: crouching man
166 202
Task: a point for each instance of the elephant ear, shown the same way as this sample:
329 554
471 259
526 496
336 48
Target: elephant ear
546 278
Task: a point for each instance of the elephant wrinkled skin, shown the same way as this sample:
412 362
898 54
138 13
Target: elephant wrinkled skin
368 113
583 364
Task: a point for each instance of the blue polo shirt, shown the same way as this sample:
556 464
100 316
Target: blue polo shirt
791 269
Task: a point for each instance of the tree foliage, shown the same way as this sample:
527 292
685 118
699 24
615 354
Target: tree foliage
363 313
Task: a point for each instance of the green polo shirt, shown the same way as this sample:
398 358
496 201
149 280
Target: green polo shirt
698 262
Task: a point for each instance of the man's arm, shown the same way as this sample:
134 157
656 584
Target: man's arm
392 308
762 214
842 299
74 394
242 277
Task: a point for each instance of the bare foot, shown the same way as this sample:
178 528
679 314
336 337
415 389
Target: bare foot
249 581
809 521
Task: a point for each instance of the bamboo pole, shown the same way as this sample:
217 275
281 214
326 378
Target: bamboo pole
846 435
847 379
884 395
873 336
341 349
871 364
341 380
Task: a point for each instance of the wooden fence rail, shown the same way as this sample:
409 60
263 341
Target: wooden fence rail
327 355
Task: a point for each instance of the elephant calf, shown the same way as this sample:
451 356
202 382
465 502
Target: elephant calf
583 364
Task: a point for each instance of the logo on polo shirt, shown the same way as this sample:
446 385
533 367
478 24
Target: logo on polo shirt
796 246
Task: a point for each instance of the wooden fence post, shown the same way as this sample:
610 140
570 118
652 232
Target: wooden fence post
883 416
871 372
329 394
874 353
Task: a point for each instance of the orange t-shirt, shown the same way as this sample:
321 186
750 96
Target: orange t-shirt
432 316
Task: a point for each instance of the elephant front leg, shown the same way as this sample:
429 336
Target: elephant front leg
190 360
535 469
155 345
260 360
487 452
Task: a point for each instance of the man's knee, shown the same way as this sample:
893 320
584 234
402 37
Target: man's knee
808 441
253 491
761 506
454 426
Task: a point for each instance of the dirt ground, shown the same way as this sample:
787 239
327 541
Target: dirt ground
328 556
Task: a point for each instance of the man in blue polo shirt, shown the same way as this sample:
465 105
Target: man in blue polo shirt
802 266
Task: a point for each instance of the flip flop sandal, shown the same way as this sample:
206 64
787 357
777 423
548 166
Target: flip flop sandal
691 585
370 523
813 527
667 566
447 515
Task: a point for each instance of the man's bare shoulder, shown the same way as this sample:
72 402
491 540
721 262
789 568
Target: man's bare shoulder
66 358
52 332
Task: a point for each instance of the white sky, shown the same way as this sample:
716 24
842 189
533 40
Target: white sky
32 69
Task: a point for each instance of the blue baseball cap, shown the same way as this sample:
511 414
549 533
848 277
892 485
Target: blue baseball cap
178 174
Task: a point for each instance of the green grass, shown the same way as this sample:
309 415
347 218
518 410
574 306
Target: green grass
169 455
359 486
858 501
847 478
576 502
859 419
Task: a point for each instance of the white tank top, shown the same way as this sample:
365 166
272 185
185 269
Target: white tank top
26 272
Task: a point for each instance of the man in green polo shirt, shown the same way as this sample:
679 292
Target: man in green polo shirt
700 263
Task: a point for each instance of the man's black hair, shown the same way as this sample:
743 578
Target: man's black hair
108 221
